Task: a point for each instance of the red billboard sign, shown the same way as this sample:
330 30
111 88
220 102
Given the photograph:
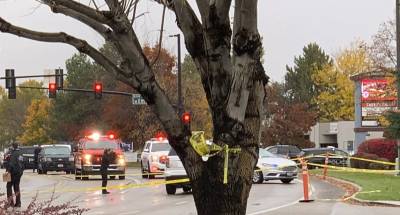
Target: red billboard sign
377 90
377 97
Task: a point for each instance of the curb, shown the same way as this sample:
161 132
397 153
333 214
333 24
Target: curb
352 196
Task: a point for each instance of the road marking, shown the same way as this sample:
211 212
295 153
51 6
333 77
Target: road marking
285 205
128 213
96 212
275 208
181 203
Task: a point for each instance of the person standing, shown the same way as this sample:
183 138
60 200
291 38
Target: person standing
36 158
16 169
107 158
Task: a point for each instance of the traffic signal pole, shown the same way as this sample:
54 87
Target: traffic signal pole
398 75
180 99
81 90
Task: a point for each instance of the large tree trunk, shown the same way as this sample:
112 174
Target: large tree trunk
211 195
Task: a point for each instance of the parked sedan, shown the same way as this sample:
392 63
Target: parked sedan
273 167
287 151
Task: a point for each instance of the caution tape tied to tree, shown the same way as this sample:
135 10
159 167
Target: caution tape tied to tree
199 144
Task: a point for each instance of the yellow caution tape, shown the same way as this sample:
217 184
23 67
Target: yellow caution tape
330 155
353 169
114 187
373 161
198 142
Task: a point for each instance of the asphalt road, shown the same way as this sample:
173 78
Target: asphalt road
267 198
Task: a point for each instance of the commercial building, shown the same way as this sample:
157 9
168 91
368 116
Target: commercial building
338 134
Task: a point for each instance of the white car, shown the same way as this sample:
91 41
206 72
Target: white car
154 157
174 171
273 167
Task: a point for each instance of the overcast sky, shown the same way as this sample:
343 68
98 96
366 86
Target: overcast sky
285 25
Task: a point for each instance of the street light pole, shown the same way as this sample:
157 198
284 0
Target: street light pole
180 100
398 74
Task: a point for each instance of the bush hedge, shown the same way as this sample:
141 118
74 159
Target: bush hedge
383 148
360 164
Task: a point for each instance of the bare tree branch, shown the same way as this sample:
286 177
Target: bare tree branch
80 45
203 8
81 8
97 26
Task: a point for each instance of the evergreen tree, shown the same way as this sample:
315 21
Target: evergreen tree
299 85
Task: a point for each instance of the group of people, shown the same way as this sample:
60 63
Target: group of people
16 168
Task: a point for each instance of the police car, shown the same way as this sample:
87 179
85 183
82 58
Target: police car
154 156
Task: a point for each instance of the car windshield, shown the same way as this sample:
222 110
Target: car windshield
172 152
27 150
266 154
101 144
164 146
57 150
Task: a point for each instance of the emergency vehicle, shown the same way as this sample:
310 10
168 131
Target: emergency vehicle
89 151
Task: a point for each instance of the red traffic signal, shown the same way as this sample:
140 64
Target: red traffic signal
52 90
98 90
186 118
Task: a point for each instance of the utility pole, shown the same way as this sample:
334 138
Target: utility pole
180 100
398 75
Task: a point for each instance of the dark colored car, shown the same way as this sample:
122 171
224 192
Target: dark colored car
55 158
287 151
337 157
28 153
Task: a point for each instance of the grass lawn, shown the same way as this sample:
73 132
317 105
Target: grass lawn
374 186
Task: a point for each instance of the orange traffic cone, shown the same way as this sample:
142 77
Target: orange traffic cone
305 181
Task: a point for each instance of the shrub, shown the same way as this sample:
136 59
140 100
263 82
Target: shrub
383 148
36 207
360 164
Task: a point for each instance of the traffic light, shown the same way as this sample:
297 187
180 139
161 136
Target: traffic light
59 79
10 84
98 90
186 119
52 90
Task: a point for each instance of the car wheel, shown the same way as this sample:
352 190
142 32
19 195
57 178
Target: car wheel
112 177
258 177
83 176
144 175
186 189
171 189
149 174
286 181
121 177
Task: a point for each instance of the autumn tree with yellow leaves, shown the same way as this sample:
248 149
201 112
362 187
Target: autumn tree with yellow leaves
37 124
